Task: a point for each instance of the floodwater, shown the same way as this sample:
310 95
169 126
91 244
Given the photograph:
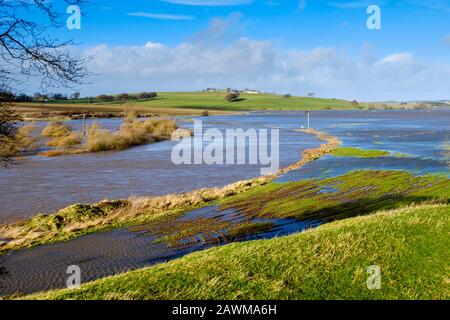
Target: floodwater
416 140
45 185
103 254
418 136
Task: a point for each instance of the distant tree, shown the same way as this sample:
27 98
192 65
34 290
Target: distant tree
287 95
311 94
152 95
355 103
123 97
105 98
76 96
142 95
23 97
59 96
232 96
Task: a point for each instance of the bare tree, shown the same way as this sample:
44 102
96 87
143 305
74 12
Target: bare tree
232 96
27 51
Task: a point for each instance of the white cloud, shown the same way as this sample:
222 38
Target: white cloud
210 2
258 64
398 58
160 16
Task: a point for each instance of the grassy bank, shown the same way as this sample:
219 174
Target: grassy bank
410 245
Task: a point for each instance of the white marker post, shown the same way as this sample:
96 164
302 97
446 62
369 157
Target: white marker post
308 117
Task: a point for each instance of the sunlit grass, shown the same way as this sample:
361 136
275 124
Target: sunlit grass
359 153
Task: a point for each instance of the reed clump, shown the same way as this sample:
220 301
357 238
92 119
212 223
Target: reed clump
132 132
56 129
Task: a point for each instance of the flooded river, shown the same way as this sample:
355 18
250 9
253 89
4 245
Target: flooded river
46 184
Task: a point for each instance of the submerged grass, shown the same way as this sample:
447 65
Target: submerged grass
355 193
359 153
135 211
410 245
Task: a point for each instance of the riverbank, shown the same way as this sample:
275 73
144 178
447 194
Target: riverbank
409 246
78 220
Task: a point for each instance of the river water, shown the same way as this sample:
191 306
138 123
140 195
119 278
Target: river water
47 184
44 185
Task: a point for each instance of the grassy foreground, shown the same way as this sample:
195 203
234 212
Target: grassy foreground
411 246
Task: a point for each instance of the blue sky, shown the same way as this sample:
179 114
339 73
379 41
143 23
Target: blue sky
292 46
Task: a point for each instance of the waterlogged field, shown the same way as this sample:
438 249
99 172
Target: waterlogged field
389 160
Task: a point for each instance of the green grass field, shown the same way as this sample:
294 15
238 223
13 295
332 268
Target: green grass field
216 101
410 245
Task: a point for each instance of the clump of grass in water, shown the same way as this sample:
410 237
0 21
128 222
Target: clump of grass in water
70 140
359 153
56 129
132 132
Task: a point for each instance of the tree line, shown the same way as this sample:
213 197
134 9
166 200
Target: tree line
37 97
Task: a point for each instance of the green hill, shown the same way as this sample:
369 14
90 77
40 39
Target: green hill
216 101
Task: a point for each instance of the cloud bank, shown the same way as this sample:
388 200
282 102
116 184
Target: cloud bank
258 64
